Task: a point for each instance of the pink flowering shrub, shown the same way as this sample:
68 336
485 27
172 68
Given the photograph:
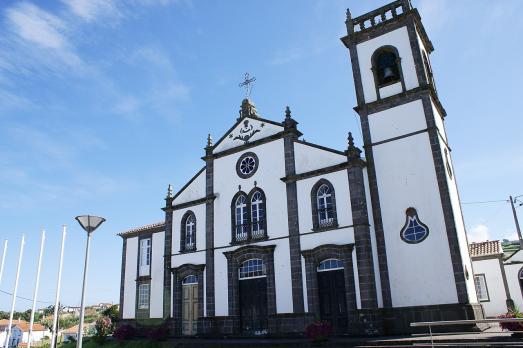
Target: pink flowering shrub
318 331
511 326
103 328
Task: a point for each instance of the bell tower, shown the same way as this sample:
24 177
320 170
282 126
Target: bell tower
424 265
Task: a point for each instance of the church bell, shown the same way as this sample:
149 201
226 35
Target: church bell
389 75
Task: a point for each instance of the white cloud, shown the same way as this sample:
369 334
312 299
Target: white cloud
89 10
478 233
37 26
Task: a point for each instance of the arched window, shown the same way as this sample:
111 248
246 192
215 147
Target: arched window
386 66
414 231
428 70
330 265
520 277
323 205
190 279
188 232
241 215
252 268
257 214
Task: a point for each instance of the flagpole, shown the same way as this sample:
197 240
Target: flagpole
8 337
54 334
31 322
3 260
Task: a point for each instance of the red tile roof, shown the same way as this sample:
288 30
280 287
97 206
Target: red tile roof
490 247
143 228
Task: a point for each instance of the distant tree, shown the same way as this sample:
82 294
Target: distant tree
113 313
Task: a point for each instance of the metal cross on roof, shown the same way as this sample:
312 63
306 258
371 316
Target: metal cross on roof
247 83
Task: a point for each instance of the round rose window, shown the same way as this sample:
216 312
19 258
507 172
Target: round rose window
247 165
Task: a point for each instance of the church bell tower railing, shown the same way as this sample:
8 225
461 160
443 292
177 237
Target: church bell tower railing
377 16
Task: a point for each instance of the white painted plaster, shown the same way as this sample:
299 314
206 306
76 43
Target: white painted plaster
398 38
311 158
131 264
264 131
398 121
496 304
356 279
304 281
195 190
420 274
156 302
389 90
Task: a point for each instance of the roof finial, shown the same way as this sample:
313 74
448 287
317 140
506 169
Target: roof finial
351 140
247 83
169 191
209 140
353 152
287 112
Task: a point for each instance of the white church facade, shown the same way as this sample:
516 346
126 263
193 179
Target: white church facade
274 232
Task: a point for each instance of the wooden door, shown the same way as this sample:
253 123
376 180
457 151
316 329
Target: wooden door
189 309
333 302
253 306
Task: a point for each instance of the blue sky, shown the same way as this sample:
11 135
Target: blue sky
104 103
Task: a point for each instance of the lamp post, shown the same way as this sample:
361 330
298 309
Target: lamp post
89 224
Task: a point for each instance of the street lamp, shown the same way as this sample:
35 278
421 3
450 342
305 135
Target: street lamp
89 224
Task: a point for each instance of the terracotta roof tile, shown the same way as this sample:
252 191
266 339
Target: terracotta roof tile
143 228
490 247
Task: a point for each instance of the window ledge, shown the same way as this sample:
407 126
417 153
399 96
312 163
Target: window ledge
250 240
188 251
334 226
143 278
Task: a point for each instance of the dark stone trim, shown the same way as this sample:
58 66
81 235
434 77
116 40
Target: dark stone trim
303 142
321 171
400 99
486 286
376 212
143 313
244 147
388 26
192 203
293 221
314 205
403 316
363 242
188 183
256 165
122 279
240 120
179 274
313 257
209 234
254 242
234 260
183 221
397 138
416 54
143 278
168 249
446 203
509 301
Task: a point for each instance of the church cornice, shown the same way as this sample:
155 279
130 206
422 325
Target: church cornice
400 99
323 171
246 146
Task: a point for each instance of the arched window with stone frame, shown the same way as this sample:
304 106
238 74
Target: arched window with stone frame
188 232
386 66
258 214
240 219
323 201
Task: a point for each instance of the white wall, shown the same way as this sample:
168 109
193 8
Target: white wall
496 304
512 267
156 302
419 274
398 121
398 38
195 190
131 259
265 130
310 158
